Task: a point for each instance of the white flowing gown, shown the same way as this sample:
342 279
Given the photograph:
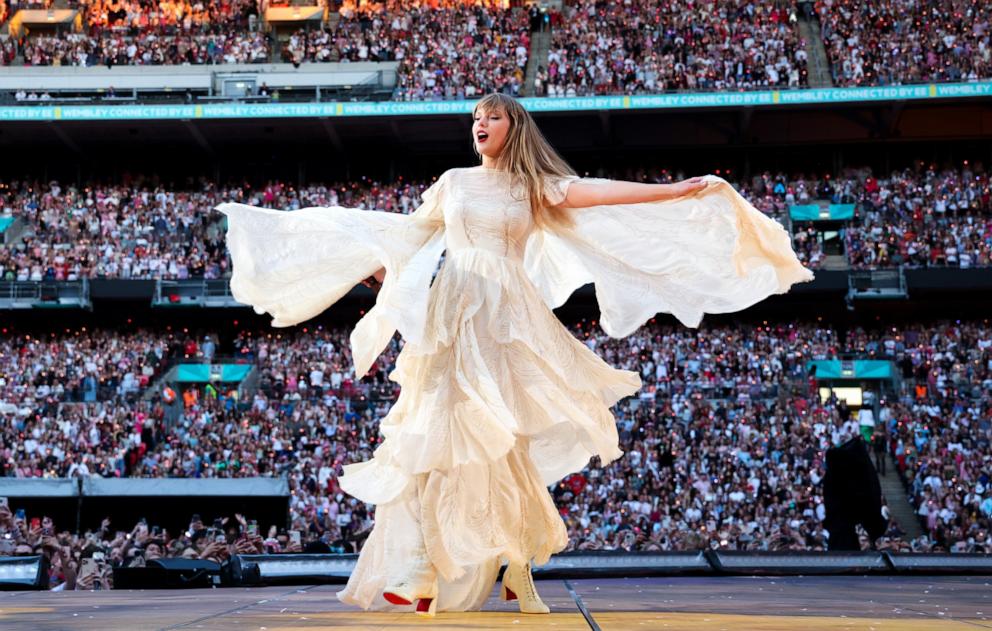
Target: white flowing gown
498 399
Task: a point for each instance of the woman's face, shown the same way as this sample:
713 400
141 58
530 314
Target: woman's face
489 131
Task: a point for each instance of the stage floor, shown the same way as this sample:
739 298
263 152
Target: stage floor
880 603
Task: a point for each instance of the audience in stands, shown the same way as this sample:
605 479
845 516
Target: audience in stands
168 16
922 217
455 50
940 426
129 32
147 48
918 217
892 42
153 231
724 444
646 47
125 231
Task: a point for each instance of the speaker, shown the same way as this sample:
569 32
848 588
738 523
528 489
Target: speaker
240 572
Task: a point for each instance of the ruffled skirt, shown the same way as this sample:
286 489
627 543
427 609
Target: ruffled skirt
498 402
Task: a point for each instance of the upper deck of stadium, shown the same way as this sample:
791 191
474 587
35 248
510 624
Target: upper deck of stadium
248 59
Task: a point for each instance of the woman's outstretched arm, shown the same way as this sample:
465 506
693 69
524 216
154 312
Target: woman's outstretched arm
581 194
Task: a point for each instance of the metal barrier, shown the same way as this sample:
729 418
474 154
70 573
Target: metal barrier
876 284
45 294
300 569
194 292
309 569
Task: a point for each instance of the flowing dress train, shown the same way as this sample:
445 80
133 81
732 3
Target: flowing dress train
498 400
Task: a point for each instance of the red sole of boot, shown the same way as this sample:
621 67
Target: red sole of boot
510 595
396 600
424 604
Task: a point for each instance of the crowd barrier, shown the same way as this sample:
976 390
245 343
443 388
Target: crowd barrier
335 568
308 569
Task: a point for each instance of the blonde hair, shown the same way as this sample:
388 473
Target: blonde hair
527 154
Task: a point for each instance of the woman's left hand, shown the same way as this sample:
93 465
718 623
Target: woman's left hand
688 187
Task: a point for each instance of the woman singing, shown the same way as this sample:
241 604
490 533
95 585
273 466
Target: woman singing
498 399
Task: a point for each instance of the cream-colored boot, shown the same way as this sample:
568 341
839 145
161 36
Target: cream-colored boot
418 584
518 584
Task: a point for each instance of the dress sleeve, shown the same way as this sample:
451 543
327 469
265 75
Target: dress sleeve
709 252
295 264
556 188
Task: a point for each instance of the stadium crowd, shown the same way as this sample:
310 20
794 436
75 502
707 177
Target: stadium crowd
893 42
940 429
724 444
129 32
919 216
648 47
147 48
144 230
922 217
454 50
168 16
123 231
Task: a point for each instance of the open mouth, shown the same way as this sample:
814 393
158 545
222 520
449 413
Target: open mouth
482 136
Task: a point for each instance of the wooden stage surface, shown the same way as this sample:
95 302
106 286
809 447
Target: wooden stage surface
808 603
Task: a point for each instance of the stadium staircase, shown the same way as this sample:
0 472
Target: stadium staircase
5 35
817 61
900 510
14 232
275 56
165 376
279 37
540 43
278 40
